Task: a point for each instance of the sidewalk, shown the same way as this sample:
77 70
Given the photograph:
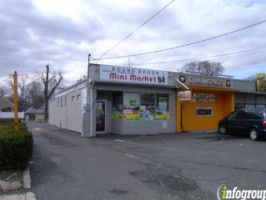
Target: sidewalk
15 186
26 196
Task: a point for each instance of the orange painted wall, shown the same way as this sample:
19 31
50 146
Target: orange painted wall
190 122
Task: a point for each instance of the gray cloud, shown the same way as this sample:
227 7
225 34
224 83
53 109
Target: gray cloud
31 37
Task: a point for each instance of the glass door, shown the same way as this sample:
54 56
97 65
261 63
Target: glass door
100 116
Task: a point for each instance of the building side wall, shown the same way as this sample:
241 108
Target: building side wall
65 111
244 85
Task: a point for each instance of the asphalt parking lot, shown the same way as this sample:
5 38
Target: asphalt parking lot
165 166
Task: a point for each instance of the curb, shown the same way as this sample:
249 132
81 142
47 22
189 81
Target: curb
26 179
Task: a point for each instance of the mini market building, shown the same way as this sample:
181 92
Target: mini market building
118 100
133 101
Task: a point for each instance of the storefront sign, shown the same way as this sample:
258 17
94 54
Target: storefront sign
184 95
203 98
133 75
205 81
261 82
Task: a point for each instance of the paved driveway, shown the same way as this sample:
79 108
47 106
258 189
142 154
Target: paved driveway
167 166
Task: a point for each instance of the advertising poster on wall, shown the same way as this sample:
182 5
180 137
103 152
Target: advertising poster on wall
131 106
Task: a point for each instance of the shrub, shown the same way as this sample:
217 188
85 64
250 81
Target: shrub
15 147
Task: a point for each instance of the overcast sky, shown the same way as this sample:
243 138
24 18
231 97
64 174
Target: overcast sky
61 33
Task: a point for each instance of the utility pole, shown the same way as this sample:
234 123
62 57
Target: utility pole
89 59
16 101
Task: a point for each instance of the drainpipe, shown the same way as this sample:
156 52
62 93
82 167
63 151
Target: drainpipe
91 108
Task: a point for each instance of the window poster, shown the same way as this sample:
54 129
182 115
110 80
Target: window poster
146 113
147 108
117 106
131 106
162 108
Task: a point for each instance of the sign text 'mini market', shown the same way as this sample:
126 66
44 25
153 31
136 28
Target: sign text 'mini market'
133 75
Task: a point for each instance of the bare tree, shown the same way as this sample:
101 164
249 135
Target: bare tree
4 90
22 90
23 94
35 91
204 67
251 78
50 84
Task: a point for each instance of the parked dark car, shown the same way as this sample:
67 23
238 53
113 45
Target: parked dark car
245 122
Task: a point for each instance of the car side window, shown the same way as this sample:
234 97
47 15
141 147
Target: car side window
232 116
242 115
256 115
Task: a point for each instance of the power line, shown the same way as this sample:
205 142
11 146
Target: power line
199 58
185 45
127 36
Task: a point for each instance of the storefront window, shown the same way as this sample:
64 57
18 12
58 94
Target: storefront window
204 112
260 106
162 107
131 106
147 107
117 106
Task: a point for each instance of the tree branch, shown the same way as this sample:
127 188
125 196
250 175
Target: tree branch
53 89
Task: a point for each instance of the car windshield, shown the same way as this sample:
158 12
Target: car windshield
232 115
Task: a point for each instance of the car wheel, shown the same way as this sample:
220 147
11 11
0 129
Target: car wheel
253 134
222 130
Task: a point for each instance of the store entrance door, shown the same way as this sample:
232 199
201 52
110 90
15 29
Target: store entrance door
101 116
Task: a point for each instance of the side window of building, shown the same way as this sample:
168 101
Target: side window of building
61 98
58 102
78 97
73 98
65 100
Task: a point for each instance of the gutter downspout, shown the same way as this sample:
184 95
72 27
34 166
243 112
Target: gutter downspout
91 108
